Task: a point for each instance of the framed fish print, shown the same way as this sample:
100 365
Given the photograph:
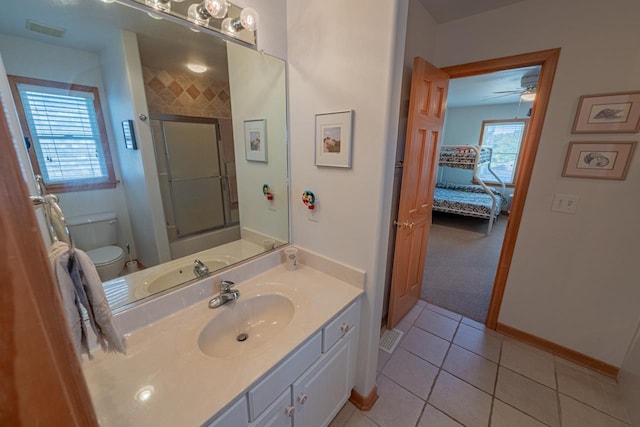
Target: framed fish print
608 113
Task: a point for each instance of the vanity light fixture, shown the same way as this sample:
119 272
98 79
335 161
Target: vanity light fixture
200 13
248 20
197 68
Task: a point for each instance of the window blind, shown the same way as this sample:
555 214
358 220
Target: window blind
65 134
505 139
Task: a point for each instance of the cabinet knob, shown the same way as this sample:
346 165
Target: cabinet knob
345 328
289 411
302 398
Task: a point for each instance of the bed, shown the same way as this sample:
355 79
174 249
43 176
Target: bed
476 200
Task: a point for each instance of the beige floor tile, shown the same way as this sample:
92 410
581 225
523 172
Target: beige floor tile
480 342
472 368
340 420
590 390
395 407
444 312
421 303
504 415
383 358
431 417
412 315
528 396
437 324
411 372
473 323
403 326
358 419
461 401
597 375
577 414
426 345
528 361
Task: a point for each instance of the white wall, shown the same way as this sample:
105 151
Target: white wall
29 58
573 279
272 25
629 379
341 57
256 212
121 65
463 126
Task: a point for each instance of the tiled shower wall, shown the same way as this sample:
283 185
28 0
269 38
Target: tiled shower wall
186 94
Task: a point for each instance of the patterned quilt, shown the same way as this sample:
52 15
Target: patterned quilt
470 200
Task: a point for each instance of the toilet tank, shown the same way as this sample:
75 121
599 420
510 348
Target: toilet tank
94 231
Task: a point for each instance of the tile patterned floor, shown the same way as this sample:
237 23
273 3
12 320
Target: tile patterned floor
450 371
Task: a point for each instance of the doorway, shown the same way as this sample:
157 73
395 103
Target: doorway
547 60
489 111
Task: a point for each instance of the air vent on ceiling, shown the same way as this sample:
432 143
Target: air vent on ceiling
48 30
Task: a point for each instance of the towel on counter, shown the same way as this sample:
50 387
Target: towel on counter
80 286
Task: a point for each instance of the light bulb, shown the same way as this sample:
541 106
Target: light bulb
163 5
198 14
217 8
249 19
528 96
227 26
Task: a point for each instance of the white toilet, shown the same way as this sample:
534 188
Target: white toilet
96 234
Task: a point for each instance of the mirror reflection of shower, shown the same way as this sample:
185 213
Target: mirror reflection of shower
196 170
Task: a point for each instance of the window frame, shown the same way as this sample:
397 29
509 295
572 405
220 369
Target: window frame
67 186
525 121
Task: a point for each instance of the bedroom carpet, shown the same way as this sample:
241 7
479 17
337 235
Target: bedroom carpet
461 264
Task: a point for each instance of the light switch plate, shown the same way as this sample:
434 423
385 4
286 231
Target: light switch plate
565 203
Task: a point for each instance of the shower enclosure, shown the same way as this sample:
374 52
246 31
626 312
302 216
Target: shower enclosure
196 169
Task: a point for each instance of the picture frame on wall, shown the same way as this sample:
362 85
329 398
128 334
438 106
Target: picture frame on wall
333 142
608 113
255 140
600 160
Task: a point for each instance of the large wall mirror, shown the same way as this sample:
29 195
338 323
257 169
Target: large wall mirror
184 136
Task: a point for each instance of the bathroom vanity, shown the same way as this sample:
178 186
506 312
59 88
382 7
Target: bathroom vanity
296 368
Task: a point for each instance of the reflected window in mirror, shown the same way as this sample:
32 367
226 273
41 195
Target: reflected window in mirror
67 139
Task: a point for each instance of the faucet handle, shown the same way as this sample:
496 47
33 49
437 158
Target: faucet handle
225 285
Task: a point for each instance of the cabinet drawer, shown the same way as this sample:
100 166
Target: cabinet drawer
339 326
263 394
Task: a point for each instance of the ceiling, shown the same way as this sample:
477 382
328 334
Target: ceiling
448 10
91 24
474 91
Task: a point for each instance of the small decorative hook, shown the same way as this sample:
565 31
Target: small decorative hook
267 192
309 199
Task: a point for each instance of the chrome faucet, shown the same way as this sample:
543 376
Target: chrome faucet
199 269
226 294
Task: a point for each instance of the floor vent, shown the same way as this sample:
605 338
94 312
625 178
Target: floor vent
389 340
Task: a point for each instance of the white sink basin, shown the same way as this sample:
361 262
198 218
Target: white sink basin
182 273
245 325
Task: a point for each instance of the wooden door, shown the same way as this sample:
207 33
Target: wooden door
427 104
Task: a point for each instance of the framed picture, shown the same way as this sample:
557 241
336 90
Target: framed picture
602 160
129 135
608 113
255 140
333 139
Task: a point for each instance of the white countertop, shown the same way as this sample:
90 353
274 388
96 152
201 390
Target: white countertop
189 387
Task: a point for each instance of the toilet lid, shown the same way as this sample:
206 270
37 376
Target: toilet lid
105 255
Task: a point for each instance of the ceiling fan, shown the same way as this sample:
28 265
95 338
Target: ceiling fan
527 91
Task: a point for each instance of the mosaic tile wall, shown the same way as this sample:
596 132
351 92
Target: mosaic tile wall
186 94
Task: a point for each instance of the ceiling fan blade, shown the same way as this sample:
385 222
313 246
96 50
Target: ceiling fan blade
487 98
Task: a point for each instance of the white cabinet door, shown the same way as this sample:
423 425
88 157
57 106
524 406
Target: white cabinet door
237 415
278 414
321 391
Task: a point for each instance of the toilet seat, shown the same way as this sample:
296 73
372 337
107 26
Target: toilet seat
105 255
